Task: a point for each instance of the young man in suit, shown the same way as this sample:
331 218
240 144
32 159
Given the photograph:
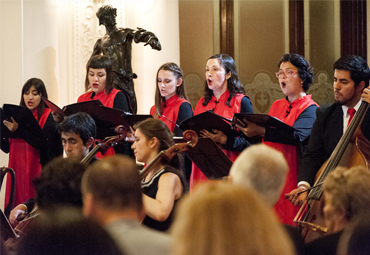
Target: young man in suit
351 79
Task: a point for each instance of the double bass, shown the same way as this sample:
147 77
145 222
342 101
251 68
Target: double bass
352 150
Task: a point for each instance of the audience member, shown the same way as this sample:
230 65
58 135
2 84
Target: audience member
112 196
220 218
62 231
347 195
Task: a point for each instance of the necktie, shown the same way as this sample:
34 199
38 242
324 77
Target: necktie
351 112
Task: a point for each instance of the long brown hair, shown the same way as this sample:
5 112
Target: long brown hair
40 87
180 90
233 84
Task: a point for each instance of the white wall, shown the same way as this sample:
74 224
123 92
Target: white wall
48 39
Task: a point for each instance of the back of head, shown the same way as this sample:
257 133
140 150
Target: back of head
114 183
221 218
65 231
59 184
357 66
81 124
351 189
263 169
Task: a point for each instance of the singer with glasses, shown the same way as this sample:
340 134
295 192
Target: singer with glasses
223 95
171 103
297 109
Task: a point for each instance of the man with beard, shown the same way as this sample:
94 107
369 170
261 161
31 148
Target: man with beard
351 79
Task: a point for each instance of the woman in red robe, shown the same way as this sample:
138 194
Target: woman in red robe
29 153
171 103
224 95
297 109
99 86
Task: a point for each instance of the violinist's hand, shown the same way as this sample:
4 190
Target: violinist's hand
17 214
252 129
218 136
365 96
57 118
12 126
294 198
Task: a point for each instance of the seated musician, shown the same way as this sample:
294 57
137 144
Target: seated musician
164 183
58 185
77 132
112 196
347 196
351 79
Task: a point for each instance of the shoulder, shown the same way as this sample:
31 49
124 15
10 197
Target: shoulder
152 110
84 97
328 109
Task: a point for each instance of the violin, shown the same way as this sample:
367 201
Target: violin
107 143
191 139
347 153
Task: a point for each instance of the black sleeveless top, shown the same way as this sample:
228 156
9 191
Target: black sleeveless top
150 189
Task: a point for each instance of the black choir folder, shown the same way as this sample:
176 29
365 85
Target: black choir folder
23 116
263 120
208 121
106 118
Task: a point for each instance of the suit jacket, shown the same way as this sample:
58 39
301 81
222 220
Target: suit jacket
325 135
136 239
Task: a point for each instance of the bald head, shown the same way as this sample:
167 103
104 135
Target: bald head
261 168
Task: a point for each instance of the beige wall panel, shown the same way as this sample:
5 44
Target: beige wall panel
261 45
196 44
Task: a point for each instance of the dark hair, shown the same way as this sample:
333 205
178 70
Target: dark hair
81 124
66 231
59 183
233 84
40 87
156 128
114 182
180 90
99 62
106 10
305 71
357 66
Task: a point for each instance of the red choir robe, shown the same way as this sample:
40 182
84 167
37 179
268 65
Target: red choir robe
221 109
170 111
107 100
284 209
25 161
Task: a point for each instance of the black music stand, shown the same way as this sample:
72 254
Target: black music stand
7 230
209 158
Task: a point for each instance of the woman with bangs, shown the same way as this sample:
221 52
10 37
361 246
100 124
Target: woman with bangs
28 153
99 86
223 95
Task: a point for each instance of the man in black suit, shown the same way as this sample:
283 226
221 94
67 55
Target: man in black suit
351 79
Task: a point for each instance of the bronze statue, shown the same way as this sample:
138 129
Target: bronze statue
116 44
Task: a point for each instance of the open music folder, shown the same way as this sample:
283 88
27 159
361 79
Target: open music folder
208 121
23 116
263 120
106 118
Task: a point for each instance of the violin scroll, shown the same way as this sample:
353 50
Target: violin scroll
191 137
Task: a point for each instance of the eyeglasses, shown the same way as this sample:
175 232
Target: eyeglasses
286 74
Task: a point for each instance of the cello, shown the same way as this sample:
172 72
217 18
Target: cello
351 150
